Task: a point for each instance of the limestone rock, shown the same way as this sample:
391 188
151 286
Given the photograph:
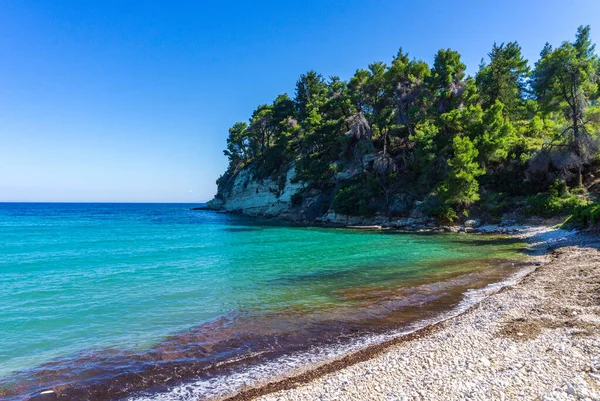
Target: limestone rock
473 223
257 197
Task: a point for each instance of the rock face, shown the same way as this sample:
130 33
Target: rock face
245 193
253 197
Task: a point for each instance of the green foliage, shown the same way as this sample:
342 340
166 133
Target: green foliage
443 213
354 198
495 204
447 70
433 132
315 169
556 202
584 215
461 188
504 79
424 137
311 92
239 147
498 136
434 206
566 81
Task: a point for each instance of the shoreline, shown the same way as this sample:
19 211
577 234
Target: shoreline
306 369
168 375
511 227
331 377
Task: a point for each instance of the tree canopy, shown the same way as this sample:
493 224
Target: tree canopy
414 131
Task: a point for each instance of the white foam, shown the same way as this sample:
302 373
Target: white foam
286 366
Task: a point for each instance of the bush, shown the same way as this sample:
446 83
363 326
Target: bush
578 191
557 201
444 214
354 198
435 207
584 215
495 204
559 188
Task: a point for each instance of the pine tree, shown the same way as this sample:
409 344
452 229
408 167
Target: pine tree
566 81
461 188
505 78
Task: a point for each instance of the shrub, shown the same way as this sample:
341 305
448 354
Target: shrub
578 191
435 207
495 204
584 215
559 188
557 201
354 198
444 214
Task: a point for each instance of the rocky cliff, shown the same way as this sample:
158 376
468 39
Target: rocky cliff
285 197
244 193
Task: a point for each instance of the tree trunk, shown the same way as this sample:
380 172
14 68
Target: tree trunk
385 135
577 140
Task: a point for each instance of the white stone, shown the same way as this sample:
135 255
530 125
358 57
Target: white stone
473 223
259 198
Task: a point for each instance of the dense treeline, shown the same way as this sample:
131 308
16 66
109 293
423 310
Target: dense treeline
405 132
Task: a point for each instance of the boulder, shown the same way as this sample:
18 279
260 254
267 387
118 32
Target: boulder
473 223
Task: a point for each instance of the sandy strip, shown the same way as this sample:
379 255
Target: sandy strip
537 340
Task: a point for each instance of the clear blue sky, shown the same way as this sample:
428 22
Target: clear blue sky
131 101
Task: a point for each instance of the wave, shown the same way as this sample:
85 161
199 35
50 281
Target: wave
299 362
250 348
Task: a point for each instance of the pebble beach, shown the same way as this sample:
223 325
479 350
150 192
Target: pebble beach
538 339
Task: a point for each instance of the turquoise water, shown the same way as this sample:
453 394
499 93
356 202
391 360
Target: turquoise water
78 280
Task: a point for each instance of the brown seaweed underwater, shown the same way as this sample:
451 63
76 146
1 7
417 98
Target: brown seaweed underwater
112 302
244 338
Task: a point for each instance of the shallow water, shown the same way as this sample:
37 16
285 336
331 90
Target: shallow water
108 301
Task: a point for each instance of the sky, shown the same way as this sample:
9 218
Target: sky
130 101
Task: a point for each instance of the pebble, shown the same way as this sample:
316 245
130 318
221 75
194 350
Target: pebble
455 363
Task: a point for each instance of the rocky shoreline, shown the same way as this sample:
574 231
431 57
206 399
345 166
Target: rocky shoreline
538 339
514 226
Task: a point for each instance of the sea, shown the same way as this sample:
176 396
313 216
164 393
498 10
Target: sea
140 302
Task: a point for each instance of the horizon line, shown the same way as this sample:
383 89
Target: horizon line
149 202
